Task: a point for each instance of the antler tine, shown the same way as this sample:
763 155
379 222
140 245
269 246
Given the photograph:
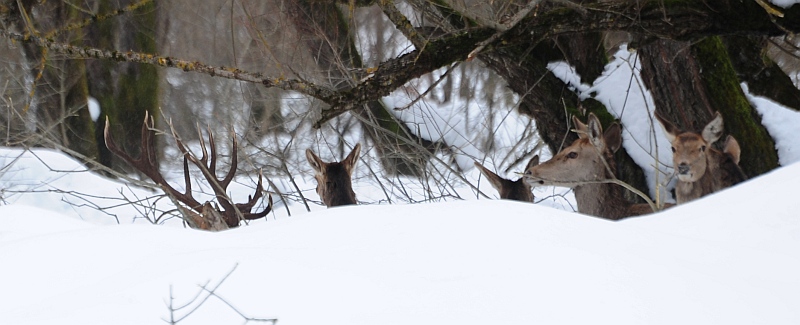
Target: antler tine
112 146
251 201
146 163
212 166
148 140
204 158
186 177
234 162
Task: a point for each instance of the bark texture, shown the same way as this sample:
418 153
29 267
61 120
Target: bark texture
689 82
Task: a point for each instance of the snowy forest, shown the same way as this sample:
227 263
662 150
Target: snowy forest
428 87
218 114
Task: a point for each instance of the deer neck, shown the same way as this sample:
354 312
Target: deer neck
604 200
336 196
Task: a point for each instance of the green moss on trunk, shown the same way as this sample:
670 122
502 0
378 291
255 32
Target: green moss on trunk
741 120
125 90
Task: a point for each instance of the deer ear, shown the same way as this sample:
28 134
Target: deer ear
732 149
595 132
669 129
580 128
533 162
613 137
351 160
496 181
713 130
315 162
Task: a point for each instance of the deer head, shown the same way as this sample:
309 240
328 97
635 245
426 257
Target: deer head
223 215
334 184
587 159
518 190
690 150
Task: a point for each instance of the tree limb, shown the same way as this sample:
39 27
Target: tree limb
682 20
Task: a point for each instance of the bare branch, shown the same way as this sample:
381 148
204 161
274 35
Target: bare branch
401 22
170 62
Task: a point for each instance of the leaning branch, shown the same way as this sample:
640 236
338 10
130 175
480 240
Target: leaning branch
81 52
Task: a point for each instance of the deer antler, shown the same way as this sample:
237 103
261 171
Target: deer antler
198 215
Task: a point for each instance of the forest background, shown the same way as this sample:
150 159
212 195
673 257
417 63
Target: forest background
426 86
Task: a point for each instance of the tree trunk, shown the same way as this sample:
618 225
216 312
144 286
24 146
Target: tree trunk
764 77
689 82
61 92
124 90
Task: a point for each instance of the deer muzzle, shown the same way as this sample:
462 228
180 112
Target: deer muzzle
684 169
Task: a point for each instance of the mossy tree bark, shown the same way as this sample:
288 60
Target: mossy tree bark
124 90
764 77
690 81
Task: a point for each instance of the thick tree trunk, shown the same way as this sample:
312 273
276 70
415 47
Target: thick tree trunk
763 76
689 82
61 92
124 90
585 52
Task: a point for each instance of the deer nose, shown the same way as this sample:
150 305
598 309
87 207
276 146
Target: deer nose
683 169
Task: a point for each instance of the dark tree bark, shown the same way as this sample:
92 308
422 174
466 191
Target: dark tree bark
61 92
763 76
689 82
585 52
125 91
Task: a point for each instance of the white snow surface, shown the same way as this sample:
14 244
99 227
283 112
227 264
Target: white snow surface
783 125
730 258
784 3
94 108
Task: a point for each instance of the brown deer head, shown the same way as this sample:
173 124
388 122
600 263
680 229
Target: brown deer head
690 149
587 165
334 184
518 190
700 168
588 159
225 213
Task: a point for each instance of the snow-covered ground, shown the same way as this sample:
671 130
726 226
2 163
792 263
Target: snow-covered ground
731 258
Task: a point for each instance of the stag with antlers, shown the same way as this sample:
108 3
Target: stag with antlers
225 213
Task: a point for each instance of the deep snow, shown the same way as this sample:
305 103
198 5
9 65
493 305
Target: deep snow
728 259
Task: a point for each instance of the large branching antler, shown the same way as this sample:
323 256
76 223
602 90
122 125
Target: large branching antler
208 166
197 215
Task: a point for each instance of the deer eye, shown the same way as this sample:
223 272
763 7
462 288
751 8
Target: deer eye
572 155
673 149
702 148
